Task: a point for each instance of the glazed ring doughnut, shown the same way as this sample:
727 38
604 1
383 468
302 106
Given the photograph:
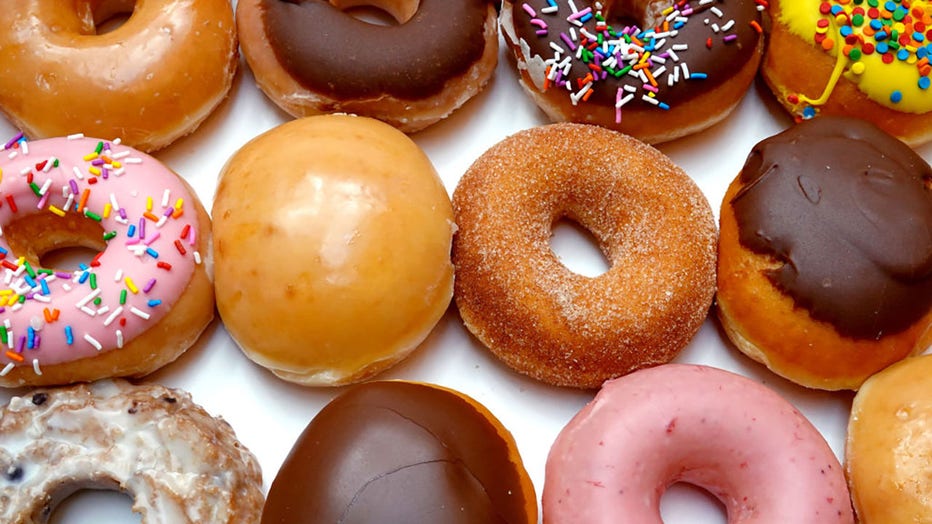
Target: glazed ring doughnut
648 217
150 81
135 306
740 441
177 462
311 57
677 69
439 451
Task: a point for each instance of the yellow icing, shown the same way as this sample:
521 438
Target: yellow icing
876 79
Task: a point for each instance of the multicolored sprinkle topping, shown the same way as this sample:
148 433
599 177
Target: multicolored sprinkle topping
586 52
49 315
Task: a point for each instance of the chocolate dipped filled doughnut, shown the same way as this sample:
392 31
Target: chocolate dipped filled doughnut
312 57
825 256
656 70
402 452
177 462
649 219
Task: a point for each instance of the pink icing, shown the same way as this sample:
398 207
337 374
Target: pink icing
737 439
151 268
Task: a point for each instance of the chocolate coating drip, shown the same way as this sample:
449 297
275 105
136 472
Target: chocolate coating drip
847 210
397 452
331 52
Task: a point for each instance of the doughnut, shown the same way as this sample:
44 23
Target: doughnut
332 237
150 81
864 60
312 56
825 255
727 434
654 69
649 219
131 308
395 451
888 449
177 462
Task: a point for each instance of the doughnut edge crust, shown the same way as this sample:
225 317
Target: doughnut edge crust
701 425
651 221
56 441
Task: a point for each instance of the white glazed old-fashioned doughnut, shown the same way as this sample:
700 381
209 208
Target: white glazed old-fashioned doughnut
135 306
177 462
700 425
151 80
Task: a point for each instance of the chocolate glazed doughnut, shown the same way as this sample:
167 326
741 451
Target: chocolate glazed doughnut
825 259
311 57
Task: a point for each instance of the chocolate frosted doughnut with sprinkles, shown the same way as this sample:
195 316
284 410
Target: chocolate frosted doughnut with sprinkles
656 70
139 303
864 59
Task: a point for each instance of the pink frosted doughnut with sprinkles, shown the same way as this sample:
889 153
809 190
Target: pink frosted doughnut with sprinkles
656 70
135 305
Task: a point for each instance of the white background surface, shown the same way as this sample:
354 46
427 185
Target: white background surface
268 414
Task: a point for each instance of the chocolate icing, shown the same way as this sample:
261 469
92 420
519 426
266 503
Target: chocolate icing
397 452
331 52
720 62
847 210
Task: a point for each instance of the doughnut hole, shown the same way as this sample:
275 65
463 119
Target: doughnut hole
643 13
684 503
47 240
100 17
95 505
577 248
373 11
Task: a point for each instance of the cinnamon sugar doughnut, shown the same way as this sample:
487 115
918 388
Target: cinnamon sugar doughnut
650 220
177 462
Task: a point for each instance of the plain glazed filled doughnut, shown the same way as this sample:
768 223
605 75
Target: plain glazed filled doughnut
151 80
864 60
653 69
312 57
136 305
825 255
650 220
733 437
403 452
332 239
177 462
889 445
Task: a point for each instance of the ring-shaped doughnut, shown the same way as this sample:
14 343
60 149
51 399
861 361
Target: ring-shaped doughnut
742 442
650 220
150 81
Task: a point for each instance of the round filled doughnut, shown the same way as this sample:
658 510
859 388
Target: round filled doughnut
313 56
727 434
864 60
131 308
653 69
150 81
825 255
888 448
403 452
332 237
649 219
177 462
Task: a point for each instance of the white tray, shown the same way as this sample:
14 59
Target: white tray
268 414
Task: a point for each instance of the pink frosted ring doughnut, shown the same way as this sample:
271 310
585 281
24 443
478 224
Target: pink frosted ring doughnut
137 304
685 423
